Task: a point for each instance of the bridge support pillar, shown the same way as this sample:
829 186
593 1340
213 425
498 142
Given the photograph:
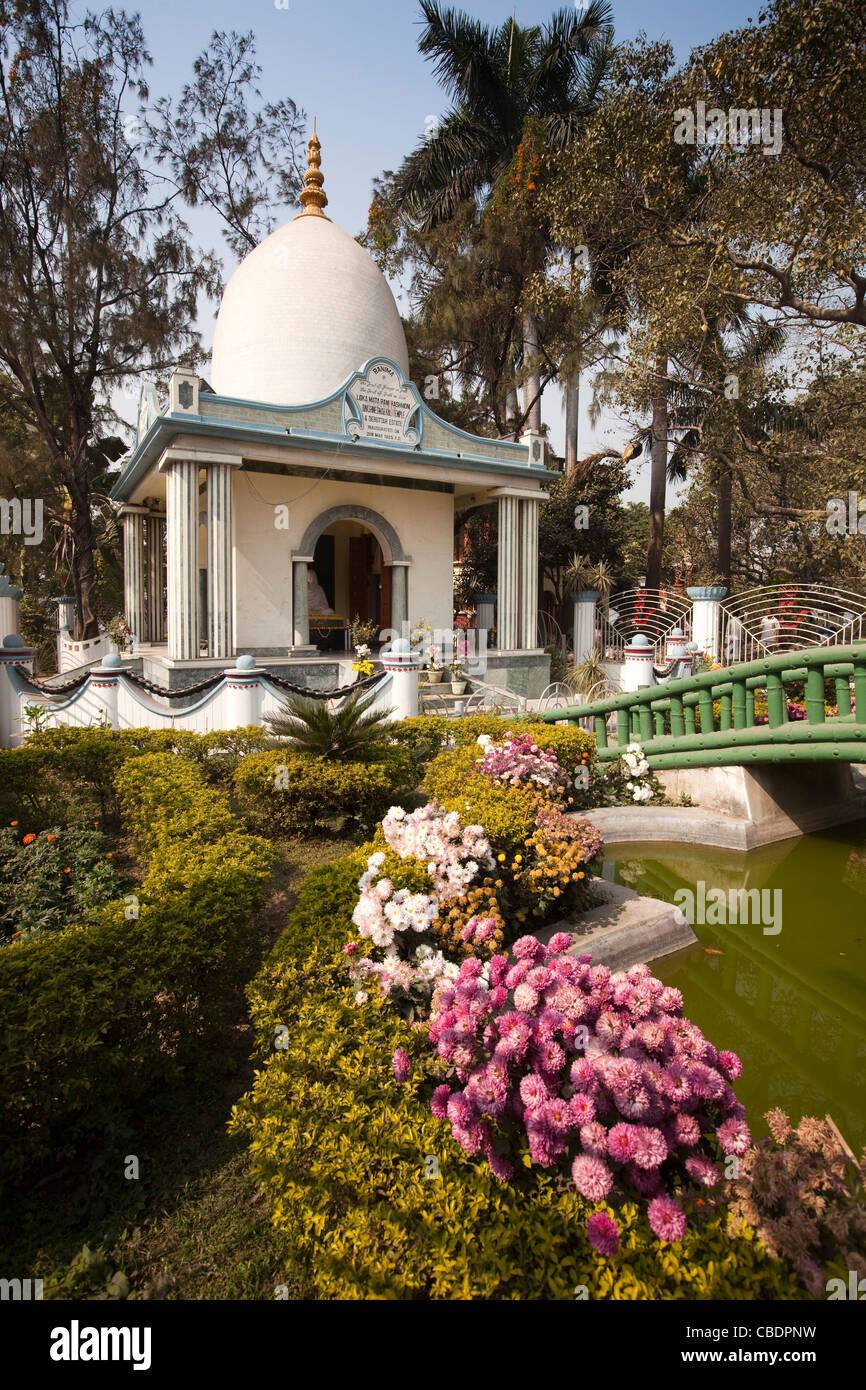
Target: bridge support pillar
707 626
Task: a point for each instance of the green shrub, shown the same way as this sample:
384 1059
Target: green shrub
371 1194
94 1016
425 735
284 793
507 813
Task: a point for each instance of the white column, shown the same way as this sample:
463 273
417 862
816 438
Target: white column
399 595
584 624
529 573
156 579
301 607
220 596
12 653
133 570
508 622
706 625
182 559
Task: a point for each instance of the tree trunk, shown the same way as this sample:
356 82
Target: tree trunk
658 481
724 531
532 389
572 422
83 558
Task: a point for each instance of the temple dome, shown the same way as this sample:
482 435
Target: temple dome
303 311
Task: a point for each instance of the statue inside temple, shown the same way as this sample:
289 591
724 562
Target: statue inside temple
317 599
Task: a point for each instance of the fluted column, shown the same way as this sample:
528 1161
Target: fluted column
182 559
508 622
529 573
156 578
399 596
300 603
220 595
134 602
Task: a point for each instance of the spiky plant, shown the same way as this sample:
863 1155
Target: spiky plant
587 674
353 733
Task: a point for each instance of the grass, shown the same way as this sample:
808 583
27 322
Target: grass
193 1225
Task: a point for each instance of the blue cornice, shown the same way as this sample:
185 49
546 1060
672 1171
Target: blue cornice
168 425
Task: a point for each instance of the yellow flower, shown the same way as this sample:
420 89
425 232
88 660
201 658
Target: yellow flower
501 858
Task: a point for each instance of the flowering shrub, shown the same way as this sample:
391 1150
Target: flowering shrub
519 760
52 879
561 1064
805 1197
372 1199
628 780
403 919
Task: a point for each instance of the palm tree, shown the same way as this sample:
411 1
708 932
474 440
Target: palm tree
353 733
500 80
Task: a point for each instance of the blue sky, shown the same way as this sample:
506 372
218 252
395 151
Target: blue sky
356 67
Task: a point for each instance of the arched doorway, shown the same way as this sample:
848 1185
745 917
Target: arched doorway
363 565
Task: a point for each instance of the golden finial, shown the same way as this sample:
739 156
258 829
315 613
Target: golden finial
313 196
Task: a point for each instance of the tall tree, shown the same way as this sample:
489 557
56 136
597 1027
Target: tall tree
86 291
500 81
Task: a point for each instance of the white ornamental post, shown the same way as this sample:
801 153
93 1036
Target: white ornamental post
402 664
244 694
638 671
12 653
675 645
707 618
105 684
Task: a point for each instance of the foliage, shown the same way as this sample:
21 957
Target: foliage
373 1201
806 1198
628 781
356 732
51 880
94 1016
291 793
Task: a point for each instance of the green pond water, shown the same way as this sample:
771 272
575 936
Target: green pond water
792 1004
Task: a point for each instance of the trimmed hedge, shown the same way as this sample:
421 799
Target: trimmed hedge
285 793
93 1017
371 1193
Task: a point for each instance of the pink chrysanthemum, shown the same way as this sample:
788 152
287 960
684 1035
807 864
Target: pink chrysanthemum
533 1092
558 1115
528 948
559 942
593 1139
517 974
734 1137
702 1170
730 1065
603 1233
650 1146
686 1130
439 1102
400 1065
525 998
675 1081
592 1177
582 1108
583 1075
667 1219
621 1142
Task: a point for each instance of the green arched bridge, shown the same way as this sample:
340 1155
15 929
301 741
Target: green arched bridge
708 720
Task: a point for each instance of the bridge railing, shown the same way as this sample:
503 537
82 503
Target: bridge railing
709 719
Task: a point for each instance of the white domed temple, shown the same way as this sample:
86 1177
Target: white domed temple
310 482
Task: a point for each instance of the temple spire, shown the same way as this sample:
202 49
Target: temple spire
313 196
